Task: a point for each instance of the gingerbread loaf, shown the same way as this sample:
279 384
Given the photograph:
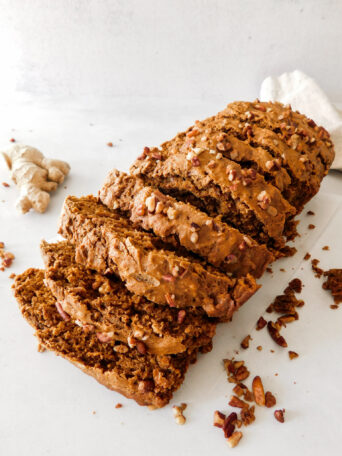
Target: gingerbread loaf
148 379
110 244
105 307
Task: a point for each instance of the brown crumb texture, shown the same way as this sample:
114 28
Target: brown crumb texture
109 243
310 213
296 285
118 405
334 284
311 226
318 271
148 379
326 247
307 256
104 306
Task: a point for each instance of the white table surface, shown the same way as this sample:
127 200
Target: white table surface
46 404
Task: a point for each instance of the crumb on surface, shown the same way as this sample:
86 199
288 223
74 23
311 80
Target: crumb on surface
334 285
318 271
282 270
6 184
307 256
310 213
118 405
311 226
109 144
326 247
12 140
269 270
259 347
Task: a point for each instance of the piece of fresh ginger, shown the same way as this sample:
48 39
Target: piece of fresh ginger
35 176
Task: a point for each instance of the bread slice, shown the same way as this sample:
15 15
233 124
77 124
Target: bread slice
184 225
255 164
109 243
146 378
105 307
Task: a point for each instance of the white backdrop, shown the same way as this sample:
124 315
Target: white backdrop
166 48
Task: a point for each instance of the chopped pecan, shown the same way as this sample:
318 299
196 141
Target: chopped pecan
141 347
168 277
261 323
239 389
279 415
229 424
170 299
293 354
236 402
245 342
270 400
258 391
61 312
219 419
181 316
275 334
178 413
247 415
234 439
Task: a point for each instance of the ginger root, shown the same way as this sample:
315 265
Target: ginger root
35 176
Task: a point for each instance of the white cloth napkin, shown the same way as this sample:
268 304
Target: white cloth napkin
304 95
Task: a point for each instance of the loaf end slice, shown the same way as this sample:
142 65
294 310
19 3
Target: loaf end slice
148 379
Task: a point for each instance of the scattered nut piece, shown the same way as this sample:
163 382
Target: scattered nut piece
270 400
236 402
275 334
293 355
247 415
261 323
258 391
234 439
178 413
279 415
219 419
245 342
